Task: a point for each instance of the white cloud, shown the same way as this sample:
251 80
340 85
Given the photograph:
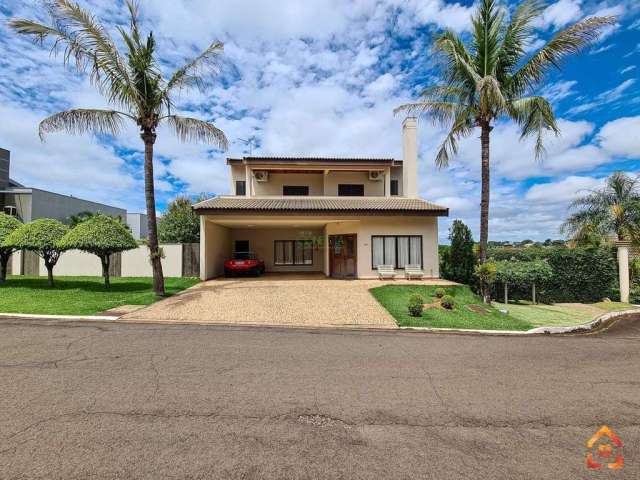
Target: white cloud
560 13
557 91
562 191
621 137
627 69
604 98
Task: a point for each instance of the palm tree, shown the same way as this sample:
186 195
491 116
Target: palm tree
611 210
492 78
131 82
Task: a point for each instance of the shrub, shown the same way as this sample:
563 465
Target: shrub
486 273
179 224
444 254
40 236
100 235
416 305
448 302
461 259
440 292
7 225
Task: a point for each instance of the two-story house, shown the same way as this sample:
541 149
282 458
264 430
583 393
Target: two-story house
339 216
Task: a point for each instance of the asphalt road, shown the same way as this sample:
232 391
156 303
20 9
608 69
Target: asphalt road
144 401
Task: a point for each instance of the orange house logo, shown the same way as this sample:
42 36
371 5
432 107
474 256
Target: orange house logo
605 449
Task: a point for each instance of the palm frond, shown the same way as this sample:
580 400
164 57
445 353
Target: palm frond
566 42
440 113
490 97
194 130
462 127
517 35
460 64
191 73
535 116
79 121
487 27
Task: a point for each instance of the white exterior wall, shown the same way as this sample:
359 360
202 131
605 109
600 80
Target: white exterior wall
215 248
277 180
135 263
75 263
334 178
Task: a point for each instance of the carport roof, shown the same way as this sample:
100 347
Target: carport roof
358 205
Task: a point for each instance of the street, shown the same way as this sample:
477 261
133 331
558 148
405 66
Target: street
108 400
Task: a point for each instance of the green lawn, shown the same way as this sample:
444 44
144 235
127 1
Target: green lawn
395 297
80 295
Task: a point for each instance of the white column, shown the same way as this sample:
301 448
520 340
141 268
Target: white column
247 179
410 157
203 248
623 269
387 182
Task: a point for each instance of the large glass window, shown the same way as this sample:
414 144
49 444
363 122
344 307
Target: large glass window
293 252
396 250
349 190
299 190
241 187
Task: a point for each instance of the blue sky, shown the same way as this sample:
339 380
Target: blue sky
322 77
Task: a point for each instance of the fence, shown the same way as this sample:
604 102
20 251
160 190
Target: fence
180 260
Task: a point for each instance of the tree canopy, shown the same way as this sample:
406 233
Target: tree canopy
179 224
8 224
462 260
40 236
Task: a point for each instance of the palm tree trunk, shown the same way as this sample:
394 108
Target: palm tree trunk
484 198
149 138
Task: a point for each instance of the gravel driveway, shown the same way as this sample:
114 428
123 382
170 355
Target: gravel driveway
301 300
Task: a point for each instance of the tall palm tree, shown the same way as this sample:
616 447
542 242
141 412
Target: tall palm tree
492 78
131 81
611 210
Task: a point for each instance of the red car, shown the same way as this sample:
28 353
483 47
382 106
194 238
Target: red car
243 263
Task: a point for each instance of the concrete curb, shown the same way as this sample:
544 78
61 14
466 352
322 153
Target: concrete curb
34 316
603 321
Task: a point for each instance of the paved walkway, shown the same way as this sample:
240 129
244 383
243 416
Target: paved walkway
300 300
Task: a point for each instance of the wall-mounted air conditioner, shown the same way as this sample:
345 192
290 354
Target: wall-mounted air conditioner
261 175
376 175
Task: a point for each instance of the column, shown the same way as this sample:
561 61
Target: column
623 269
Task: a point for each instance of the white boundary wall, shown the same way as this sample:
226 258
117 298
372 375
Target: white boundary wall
134 263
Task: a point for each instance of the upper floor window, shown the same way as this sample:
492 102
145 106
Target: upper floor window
300 190
350 190
241 187
394 187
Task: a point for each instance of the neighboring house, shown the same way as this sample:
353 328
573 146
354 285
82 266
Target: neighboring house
32 203
339 216
138 224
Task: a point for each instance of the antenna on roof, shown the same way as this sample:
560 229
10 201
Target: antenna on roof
250 142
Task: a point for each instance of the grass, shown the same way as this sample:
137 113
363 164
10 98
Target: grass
395 297
614 306
80 295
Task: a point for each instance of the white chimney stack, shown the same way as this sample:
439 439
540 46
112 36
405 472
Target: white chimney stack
410 158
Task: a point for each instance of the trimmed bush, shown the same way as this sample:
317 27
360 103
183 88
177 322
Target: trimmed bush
415 305
40 236
448 302
7 225
461 260
102 236
439 292
486 274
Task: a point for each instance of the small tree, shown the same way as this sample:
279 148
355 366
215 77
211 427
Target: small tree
507 273
486 273
462 260
180 224
7 225
533 273
102 236
40 236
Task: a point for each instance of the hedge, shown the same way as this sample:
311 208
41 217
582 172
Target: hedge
579 274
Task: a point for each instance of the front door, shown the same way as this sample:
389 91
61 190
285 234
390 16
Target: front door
343 255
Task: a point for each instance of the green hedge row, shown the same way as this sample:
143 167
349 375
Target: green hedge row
579 274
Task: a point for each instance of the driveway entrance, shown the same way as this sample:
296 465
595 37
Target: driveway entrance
310 300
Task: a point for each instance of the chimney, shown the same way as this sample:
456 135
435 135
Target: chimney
5 155
409 158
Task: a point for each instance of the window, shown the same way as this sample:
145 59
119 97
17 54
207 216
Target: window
241 187
348 190
300 190
396 250
394 187
241 246
293 252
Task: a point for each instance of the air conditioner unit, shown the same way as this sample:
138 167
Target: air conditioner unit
261 175
376 175
11 210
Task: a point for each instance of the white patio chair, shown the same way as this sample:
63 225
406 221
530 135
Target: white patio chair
386 271
413 271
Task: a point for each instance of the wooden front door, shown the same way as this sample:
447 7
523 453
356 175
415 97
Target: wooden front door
343 255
